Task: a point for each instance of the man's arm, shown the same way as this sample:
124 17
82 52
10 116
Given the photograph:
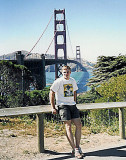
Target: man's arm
75 96
52 101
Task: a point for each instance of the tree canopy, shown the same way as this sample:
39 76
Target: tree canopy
107 67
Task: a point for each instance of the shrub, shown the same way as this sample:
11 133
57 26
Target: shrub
37 97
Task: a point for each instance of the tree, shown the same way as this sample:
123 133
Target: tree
107 67
13 80
114 89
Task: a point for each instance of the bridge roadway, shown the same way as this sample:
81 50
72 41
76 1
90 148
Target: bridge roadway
51 62
64 61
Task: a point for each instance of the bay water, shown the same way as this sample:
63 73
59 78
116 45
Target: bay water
80 77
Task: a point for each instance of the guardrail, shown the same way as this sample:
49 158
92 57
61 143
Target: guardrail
40 110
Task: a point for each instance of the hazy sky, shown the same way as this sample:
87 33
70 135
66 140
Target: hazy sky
97 26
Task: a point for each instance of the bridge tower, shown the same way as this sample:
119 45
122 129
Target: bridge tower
78 56
59 34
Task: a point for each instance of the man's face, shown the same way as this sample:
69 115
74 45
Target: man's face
66 73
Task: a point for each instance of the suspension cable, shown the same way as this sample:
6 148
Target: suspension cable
50 43
40 36
69 38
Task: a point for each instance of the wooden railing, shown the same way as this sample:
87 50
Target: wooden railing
40 110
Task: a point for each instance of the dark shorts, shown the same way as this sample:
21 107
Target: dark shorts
68 112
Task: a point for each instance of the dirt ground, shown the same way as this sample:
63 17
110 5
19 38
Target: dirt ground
25 147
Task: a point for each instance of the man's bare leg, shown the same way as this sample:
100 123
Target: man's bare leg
69 133
77 123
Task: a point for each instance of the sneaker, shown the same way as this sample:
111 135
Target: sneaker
81 151
73 153
78 155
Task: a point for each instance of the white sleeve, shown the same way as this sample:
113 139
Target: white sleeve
75 87
55 86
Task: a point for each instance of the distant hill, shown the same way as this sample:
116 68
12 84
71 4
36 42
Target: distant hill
87 64
12 56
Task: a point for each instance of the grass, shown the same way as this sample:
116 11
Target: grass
26 126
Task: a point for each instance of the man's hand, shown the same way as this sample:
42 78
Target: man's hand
54 111
52 101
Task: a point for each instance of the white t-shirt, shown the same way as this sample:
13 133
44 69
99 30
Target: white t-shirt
64 91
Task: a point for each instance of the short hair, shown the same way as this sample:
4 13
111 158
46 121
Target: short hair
66 67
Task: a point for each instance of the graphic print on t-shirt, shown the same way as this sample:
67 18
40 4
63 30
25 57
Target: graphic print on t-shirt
68 90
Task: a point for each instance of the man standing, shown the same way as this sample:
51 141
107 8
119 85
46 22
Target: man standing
64 89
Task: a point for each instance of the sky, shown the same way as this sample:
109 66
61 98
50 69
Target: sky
97 26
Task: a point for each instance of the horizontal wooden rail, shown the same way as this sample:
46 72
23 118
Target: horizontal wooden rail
41 109
46 108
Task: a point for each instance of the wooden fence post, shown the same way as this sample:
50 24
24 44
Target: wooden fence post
40 132
121 123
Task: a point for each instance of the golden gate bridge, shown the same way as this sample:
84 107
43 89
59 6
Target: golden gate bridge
37 64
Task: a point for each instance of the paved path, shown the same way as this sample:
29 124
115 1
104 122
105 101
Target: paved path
111 153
